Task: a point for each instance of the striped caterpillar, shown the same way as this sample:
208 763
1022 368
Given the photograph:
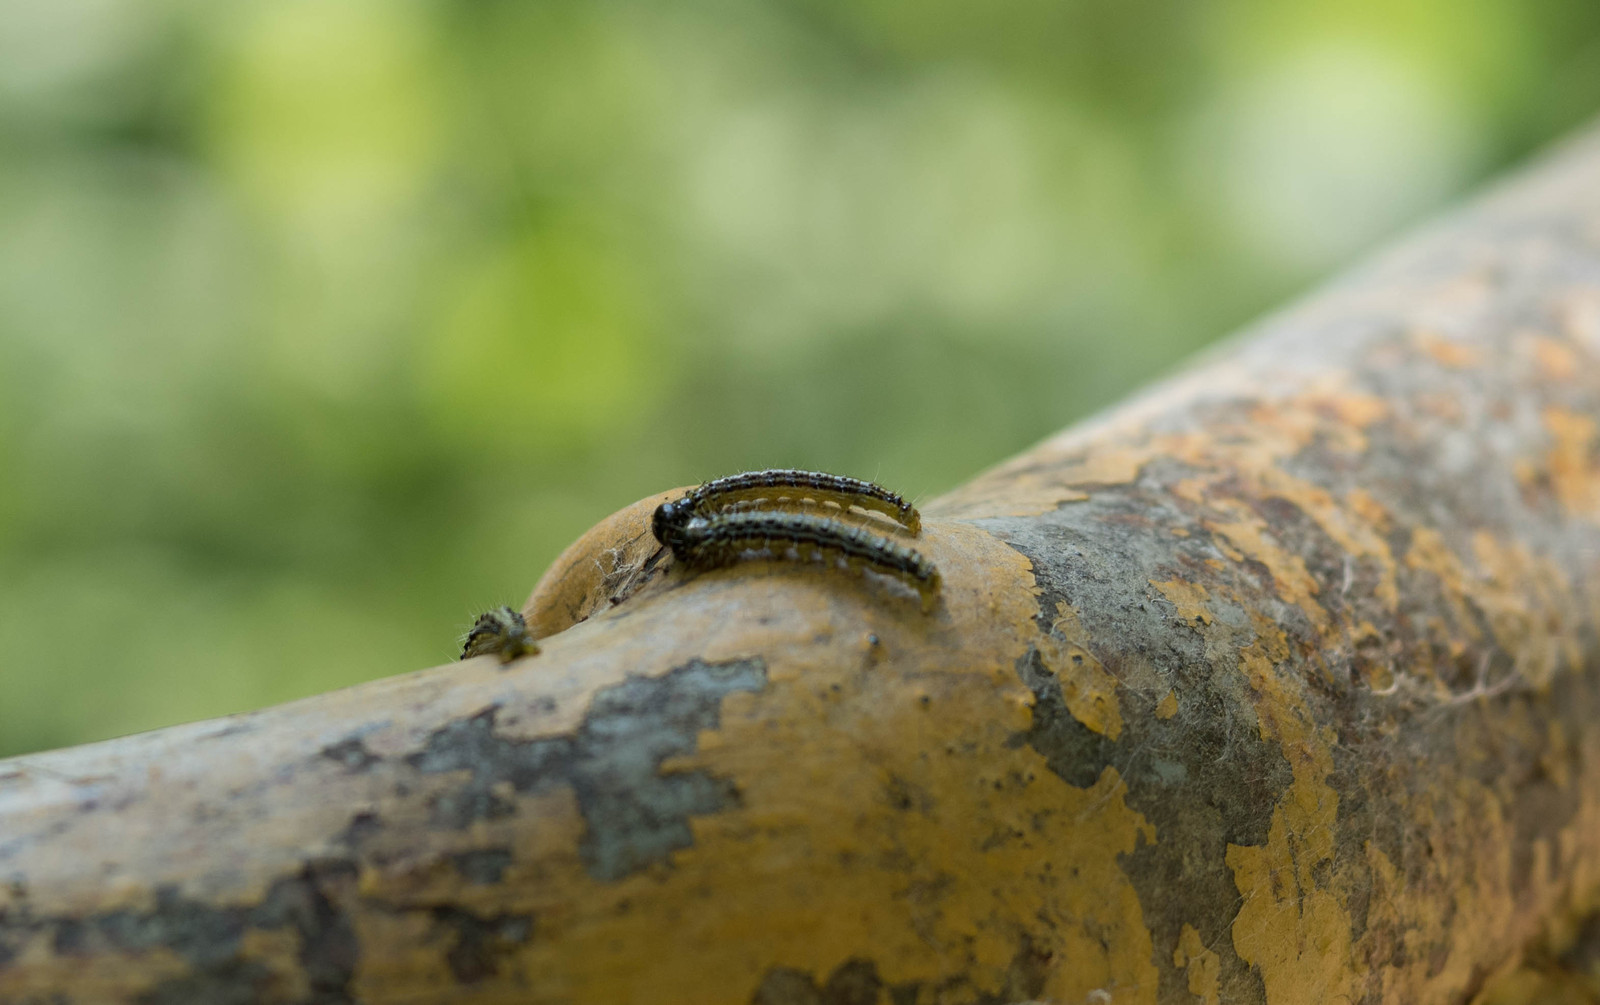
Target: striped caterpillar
762 489
619 556
722 539
502 632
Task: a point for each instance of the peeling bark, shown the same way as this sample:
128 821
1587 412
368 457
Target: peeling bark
1277 684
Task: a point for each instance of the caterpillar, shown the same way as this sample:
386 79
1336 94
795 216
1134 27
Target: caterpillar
760 488
500 631
722 539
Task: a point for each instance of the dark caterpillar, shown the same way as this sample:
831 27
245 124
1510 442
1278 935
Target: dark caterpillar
723 539
500 631
760 488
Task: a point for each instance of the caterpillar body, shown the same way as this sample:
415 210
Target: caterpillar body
723 539
501 632
762 489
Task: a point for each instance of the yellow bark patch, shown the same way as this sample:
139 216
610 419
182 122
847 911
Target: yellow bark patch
1429 552
1571 460
1204 966
1294 932
1292 927
1555 358
1189 598
1253 538
1363 505
1360 410
1356 535
1530 608
1423 912
1447 351
1087 688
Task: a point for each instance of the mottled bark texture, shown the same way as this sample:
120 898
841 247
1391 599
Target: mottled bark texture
1278 684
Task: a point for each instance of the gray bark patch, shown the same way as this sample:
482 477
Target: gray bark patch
856 982
1204 778
636 815
209 939
351 753
235 982
484 866
482 943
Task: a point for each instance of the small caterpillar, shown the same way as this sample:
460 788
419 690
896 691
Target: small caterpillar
758 488
723 539
500 631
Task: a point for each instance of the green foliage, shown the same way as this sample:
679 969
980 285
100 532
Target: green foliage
324 326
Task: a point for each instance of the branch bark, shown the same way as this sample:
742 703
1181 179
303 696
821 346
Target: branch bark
1277 684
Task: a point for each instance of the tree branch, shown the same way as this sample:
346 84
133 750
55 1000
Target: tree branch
1277 684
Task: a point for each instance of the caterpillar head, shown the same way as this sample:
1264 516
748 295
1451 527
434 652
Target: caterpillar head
669 520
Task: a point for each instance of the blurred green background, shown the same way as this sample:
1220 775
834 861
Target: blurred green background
324 324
